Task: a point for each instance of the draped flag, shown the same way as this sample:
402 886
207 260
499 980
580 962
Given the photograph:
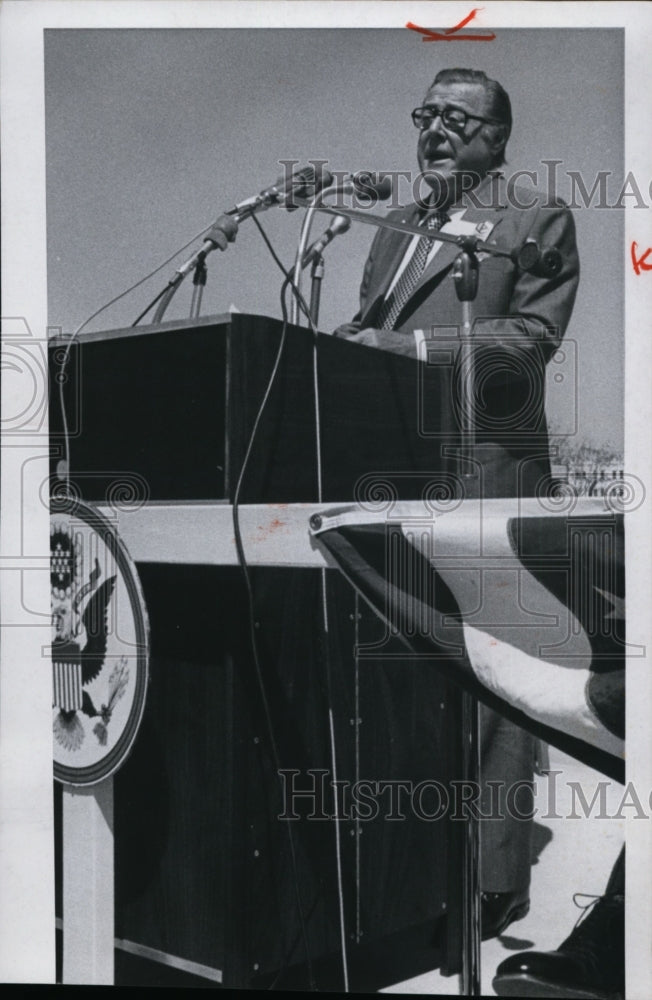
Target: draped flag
520 604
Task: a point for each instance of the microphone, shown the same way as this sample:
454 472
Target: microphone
222 232
303 183
339 225
544 263
370 186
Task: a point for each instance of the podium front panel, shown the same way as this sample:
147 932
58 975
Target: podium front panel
204 866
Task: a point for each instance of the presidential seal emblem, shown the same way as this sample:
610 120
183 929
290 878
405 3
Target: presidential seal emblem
100 644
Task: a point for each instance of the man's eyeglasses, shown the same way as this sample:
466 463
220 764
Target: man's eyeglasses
454 119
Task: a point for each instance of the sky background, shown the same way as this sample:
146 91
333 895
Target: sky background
151 134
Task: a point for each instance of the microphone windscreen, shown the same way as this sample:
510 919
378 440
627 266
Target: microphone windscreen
527 256
551 262
544 263
340 224
222 232
373 186
317 180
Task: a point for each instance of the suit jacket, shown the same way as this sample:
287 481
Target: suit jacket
519 320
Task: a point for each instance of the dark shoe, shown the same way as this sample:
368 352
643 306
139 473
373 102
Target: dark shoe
589 965
500 909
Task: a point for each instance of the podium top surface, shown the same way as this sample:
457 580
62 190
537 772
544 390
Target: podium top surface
120 333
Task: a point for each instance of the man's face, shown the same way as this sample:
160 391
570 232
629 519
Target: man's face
444 154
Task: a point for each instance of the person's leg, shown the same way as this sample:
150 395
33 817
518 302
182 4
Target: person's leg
507 776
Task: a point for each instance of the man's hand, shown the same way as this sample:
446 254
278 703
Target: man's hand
369 336
383 340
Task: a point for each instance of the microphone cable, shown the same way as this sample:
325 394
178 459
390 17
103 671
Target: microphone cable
65 357
290 280
253 638
324 611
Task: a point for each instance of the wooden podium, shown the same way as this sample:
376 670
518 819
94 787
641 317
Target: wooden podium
207 878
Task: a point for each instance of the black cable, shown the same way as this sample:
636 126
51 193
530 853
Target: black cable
164 291
327 656
141 281
66 354
250 598
61 378
288 280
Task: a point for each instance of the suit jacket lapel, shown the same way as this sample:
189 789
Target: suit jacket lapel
449 251
389 259
388 262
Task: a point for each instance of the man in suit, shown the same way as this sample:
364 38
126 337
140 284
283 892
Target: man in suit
408 297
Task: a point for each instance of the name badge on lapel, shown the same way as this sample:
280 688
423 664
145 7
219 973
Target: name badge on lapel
459 226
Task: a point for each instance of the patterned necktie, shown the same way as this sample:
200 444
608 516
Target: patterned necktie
408 281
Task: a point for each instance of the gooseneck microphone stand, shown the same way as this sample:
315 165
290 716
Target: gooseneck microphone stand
465 276
224 230
316 278
198 285
528 257
304 255
298 265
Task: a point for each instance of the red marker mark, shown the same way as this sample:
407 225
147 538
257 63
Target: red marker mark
450 34
639 264
464 21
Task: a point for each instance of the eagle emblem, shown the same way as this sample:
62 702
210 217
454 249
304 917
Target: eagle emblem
80 617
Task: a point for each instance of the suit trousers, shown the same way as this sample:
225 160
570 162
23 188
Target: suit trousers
507 755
